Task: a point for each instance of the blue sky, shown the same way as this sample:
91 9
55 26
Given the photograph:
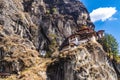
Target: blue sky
106 15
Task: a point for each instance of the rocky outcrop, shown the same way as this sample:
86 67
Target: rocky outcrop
16 53
116 66
29 28
86 62
43 21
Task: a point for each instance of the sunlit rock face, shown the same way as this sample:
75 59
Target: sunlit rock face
86 62
31 27
16 53
37 20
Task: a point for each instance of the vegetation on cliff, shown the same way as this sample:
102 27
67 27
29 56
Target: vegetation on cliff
28 27
110 45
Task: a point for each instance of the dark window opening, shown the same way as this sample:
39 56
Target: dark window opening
1 22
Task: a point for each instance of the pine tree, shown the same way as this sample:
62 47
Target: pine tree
110 45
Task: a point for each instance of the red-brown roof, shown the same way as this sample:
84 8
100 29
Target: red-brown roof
72 35
101 31
85 34
76 34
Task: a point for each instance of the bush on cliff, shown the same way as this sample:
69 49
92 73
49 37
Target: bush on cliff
110 45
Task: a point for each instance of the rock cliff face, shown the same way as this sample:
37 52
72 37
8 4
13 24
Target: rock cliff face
117 68
43 21
86 62
30 27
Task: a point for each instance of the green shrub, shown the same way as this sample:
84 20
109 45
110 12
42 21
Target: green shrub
48 11
110 45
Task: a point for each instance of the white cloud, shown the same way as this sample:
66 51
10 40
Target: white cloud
112 19
103 14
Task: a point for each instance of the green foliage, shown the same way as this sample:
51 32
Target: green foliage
52 45
54 10
48 11
49 53
117 58
53 36
110 44
51 11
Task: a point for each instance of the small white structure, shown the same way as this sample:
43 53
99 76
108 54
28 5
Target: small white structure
69 46
43 52
93 38
100 34
83 41
74 39
82 36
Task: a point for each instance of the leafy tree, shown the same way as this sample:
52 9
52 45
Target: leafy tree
110 44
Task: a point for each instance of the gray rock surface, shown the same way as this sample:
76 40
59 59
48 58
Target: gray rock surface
30 27
82 63
38 20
